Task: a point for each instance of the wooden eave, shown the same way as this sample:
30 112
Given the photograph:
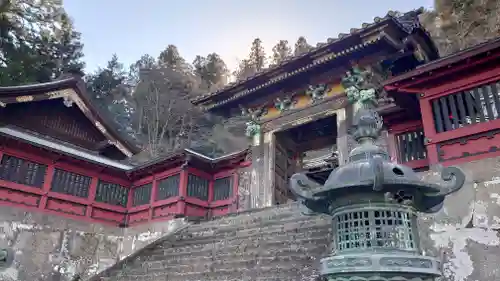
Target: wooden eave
187 157
119 168
411 82
71 88
263 84
356 40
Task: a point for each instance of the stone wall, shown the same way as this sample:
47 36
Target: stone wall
281 244
465 233
244 183
50 247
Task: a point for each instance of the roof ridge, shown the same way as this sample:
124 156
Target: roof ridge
376 20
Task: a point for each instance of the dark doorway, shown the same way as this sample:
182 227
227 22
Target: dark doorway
308 148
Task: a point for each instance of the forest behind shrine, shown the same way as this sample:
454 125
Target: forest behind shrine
150 98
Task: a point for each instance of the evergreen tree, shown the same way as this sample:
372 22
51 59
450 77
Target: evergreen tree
211 70
37 42
145 63
111 93
171 58
257 57
244 70
281 52
301 46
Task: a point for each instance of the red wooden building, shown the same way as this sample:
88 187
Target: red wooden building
59 154
459 102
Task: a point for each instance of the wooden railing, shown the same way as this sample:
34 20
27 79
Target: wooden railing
477 105
62 188
407 144
411 147
182 192
463 124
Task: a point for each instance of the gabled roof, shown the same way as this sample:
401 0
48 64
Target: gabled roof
188 155
71 89
407 23
472 53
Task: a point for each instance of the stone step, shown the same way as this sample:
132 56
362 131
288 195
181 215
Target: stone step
217 264
211 244
292 209
271 244
236 252
291 224
315 245
260 232
210 225
289 272
285 225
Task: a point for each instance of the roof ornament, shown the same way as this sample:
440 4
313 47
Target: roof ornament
317 92
374 202
68 102
253 128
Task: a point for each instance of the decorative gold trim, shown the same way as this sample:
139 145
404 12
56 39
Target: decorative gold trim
100 127
71 95
59 94
24 98
320 60
302 121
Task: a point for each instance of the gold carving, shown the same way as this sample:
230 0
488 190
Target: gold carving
59 94
24 98
100 127
123 149
302 121
323 58
330 112
80 103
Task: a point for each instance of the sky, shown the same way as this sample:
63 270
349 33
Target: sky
131 28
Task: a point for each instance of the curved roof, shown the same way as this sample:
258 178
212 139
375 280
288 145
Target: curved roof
474 52
407 22
71 88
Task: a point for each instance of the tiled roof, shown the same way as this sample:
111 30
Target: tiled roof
454 58
40 91
406 22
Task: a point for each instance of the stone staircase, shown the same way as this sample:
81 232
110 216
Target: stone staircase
278 243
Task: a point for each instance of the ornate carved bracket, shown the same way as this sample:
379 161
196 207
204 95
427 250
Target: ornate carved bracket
253 129
284 104
317 92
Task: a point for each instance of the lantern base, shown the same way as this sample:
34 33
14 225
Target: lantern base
376 266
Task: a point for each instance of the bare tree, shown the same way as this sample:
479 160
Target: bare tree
458 24
164 113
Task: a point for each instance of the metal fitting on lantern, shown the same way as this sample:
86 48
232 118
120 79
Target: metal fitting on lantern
374 204
6 258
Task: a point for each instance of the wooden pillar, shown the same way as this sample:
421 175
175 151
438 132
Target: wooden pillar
154 186
181 205
91 198
47 184
342 135
210 197
234 194
392 145
257 174
268 184
429 130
